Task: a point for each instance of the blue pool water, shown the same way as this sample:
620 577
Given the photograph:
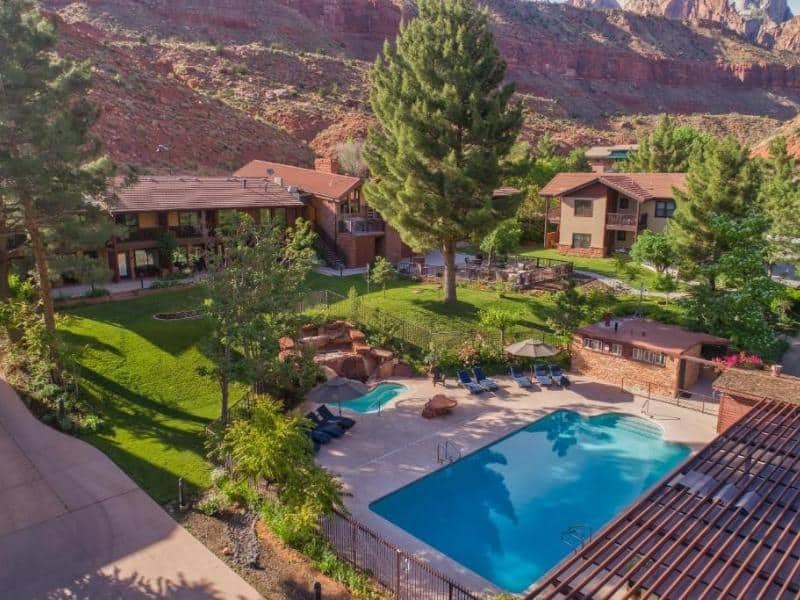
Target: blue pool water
376 398
502 511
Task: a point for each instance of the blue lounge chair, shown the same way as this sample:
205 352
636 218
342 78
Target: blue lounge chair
542 374
488 384
328 417
330 429
319 438
521 379
558 377
466 381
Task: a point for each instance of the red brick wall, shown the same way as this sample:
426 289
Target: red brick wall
619 370
358 250
325 215
731 409
394 248
592 252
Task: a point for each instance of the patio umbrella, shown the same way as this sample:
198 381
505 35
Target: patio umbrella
338 390
531 349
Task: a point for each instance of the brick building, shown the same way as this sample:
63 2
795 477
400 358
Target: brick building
604 159
740 390
602 213
643 353
349 229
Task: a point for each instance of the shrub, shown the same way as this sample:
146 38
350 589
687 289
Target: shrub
211 503
97 292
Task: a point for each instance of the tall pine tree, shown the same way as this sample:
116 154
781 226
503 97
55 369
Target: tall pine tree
666 149
446 125
49 162
780 198
721 181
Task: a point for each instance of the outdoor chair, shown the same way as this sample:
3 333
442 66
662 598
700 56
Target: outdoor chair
486 383
330 429
438 377
466 381
319 438
522 380
558 377
542 375
328 417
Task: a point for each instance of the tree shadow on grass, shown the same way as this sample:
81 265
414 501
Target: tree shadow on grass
79 341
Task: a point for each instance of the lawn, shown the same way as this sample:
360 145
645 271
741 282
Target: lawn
143 373
601 266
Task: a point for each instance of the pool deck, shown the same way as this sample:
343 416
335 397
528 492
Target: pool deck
388 450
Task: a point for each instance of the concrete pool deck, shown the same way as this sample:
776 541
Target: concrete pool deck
388 450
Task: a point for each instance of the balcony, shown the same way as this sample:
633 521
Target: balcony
146 234
622 221
554 215
186 231
362 226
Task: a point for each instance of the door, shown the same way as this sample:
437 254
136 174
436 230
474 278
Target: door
122 264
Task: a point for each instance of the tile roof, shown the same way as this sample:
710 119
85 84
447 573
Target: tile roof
725 525
759 384
610 151
194 193
319 183
650 335
639 186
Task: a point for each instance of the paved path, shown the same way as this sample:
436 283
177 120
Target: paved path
74 526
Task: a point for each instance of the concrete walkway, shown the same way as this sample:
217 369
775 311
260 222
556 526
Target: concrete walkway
73 525
120 287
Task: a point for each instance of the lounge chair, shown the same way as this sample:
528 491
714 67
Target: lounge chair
328 417
318 437
466 381
542 375
522 380
488 384
558 377
330 429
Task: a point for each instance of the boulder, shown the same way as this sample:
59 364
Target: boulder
382 355
352 367
402 369
357 336
361 349
309 330
286 343
315 341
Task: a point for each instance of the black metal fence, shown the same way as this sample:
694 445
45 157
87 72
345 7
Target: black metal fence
400 573
693 400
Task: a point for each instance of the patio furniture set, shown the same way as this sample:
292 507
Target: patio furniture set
546 376
327 426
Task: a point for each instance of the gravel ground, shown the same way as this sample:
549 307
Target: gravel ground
280 574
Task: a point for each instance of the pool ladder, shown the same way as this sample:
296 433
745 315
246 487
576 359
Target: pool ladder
577 536
447 451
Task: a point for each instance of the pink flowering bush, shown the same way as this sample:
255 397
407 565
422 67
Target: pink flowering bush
741 361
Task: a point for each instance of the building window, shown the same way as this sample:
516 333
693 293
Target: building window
622 236
601 346
191 219
583 208
648 356
665 208
581 240
623 203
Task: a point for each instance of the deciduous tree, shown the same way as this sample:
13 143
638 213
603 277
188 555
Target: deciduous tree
655 249
382 273
446 124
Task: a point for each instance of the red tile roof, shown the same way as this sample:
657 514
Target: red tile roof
725 525
650 335
195 193
759 384
639 186
318 183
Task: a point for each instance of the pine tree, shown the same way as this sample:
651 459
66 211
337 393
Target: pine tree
721 180
780 197
49 162
666 149
446 124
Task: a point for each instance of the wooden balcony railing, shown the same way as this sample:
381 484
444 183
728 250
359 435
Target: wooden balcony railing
186 231
622 221
359 225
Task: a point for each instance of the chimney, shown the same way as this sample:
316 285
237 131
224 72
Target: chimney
776 370
326 165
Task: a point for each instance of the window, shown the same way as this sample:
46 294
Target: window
623 203
665 208
647 356
581 240
622 236
189 218
144 258
604 347
131 221
583 208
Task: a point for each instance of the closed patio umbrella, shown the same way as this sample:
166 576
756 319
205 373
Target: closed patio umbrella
338 389
531 349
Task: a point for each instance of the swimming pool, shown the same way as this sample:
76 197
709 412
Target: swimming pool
376 398
512 510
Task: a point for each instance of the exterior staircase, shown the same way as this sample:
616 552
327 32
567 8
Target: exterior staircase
328 251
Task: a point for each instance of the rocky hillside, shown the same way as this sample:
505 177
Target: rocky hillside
218 82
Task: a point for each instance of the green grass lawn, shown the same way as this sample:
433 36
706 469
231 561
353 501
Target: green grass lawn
601 266
142 373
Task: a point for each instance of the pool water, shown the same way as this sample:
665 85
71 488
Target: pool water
514 509
376 398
